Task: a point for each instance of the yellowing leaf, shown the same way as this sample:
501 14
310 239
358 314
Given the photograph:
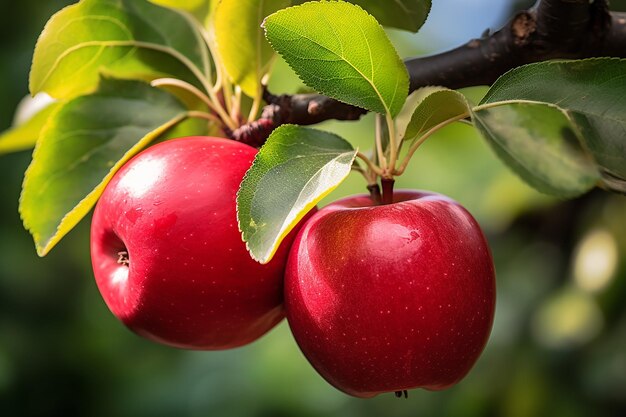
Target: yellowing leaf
127 38
86 141
292 172
243 50
25 135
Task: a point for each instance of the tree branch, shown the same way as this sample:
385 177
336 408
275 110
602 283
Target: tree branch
615 40
566 29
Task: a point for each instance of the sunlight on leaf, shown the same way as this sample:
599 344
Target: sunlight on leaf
86 141
200 9
341 51
127 38
242 46
25 135
292 172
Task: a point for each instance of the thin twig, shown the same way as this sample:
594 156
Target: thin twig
370 164
203 115
183 85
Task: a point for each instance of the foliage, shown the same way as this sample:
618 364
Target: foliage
82 145
556 124
592 95
354 63
315 161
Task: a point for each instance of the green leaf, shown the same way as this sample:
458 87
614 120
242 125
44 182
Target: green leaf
424 109
83 144
200 9
245 53
593 94
188 5
412 102
292 172
127 38
403 118
25 135
538 142
433 106
402 14
341 51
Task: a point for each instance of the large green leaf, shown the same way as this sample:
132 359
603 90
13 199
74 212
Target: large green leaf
82 146
592 92
402 14
292 172
340 50
540 144
128 38
25 135
245 53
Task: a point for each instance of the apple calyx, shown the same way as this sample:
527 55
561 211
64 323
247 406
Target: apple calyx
123 258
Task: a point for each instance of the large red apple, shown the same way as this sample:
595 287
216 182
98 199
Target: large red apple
391 297
167 254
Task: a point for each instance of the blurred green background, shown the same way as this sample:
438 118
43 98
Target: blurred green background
558 347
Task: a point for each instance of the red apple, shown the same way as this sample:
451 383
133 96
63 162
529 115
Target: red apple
167 254
391 297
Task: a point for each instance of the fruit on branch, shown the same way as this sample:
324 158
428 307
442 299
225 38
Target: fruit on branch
391 297
167 254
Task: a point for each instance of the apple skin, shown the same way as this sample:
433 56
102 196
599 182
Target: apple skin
391 297
189 283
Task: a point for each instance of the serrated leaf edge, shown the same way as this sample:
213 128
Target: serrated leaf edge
287 225
370 82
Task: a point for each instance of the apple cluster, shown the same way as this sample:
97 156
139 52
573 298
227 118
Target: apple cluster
380 298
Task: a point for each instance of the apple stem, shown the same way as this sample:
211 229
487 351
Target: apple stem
374 190
387 184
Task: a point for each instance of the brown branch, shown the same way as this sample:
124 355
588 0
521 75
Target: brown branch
300 109
615 39
566 29
309 109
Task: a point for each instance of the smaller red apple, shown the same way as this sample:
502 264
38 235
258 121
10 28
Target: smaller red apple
391 297
167 254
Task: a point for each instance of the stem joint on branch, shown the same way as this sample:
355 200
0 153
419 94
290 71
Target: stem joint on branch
552 29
